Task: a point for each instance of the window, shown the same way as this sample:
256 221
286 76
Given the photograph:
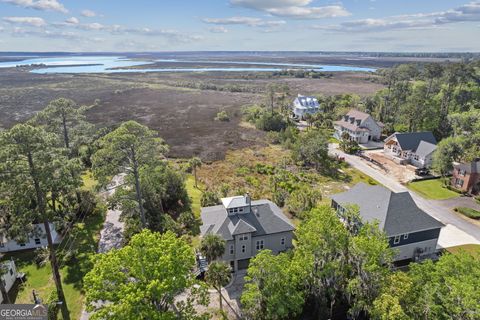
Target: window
11 271
463 173
259 244
37 241
2 244
282 241
232 264
22 244
231 249
396 240
405 236
244 248
235 210
459 182
243 237
240 209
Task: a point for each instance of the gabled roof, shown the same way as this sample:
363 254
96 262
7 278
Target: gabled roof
307 101
265 218
472 167
396 213
243 227
425 148
234 202
411 140
357 114
355 126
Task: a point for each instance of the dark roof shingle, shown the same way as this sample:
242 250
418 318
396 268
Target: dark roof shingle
396 213
411 140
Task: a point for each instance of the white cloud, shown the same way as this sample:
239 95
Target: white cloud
171 35
21 32
248 21
266 4
218 29
296 9
464 13
72 20
30 21
88 13
92 26
44 5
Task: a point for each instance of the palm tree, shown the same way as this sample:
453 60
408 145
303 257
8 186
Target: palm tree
212 247
218 276
195 163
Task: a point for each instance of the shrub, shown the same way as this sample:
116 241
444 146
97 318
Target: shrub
242 171
271 122
303 199
253 113
469 212
209 198
222 116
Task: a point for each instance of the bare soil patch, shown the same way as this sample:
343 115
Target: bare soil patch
402 173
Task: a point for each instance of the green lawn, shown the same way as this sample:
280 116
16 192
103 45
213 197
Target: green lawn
194 193
469 212
432 189
72 272
471 248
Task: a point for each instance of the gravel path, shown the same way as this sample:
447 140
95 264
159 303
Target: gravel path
111 235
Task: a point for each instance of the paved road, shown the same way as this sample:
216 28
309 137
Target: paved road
457 231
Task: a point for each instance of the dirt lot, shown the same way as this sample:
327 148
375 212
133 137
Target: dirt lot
172 103
402 173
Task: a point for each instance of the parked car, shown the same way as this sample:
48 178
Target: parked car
422 172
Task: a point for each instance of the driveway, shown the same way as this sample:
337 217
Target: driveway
458 231
111 235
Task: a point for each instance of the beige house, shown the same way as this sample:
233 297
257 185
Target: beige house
360 127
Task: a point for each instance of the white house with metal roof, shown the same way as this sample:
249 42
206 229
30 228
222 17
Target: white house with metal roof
303 105
410 230
247 227
416 148
36 239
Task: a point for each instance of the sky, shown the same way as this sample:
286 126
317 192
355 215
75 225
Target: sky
254 25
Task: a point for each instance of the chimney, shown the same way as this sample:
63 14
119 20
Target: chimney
248 200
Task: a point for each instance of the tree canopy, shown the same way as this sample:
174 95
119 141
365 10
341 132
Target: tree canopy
142 280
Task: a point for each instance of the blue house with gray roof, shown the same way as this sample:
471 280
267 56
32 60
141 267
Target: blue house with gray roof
410 230
247 227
